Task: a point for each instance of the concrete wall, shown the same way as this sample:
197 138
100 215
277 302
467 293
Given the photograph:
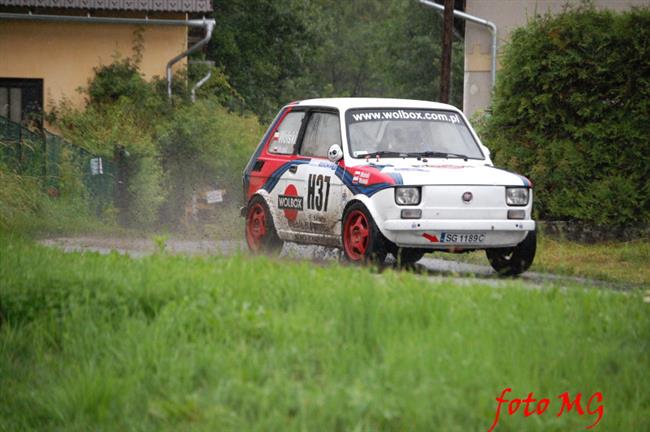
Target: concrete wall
507 15
63 55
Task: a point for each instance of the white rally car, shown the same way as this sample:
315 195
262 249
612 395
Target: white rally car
379 176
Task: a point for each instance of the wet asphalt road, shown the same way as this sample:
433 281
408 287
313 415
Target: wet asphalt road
430 266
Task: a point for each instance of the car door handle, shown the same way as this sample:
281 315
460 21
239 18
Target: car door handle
293 168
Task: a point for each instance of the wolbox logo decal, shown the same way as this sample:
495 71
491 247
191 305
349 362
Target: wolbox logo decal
290 202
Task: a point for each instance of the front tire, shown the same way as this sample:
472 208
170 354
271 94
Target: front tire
514 260
405 257
261 236
362 240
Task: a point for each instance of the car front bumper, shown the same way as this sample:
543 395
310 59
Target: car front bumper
446 222
464 234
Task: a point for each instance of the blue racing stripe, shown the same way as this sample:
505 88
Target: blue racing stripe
274 178
397 177
340 172
368 190
527 182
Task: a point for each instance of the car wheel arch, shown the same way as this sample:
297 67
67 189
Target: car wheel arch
372 209
269 203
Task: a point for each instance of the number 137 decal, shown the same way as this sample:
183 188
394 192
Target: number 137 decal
315 198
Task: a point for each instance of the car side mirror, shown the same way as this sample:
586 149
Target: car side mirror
335 153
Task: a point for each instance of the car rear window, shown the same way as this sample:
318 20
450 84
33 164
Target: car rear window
284 139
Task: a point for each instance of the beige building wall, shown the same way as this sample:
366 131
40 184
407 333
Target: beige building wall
63 55
507 15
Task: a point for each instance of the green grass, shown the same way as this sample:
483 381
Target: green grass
25 207
91 342
625 262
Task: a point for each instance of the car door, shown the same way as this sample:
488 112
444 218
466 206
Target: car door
285 183
322 189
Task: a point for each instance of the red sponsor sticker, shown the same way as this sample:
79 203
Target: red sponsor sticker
361 177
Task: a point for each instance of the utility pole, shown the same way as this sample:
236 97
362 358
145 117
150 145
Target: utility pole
445 67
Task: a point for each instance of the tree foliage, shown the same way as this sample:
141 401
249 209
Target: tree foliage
260 48
572 110
287 50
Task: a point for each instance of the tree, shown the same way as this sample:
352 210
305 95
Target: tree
261 48
285 50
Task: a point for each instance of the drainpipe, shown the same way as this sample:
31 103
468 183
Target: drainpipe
477 20
207 24
202 80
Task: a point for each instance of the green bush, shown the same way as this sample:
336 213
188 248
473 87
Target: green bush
26 207
169 151
146 192
125 124
205 145
121 77
572 111
19 197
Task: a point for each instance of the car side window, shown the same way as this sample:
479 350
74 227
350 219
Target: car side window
285 137
323 130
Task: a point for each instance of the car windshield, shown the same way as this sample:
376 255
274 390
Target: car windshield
410 133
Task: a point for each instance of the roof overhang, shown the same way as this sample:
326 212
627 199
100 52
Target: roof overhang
186 6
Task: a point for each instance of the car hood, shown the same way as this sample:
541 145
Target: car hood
445 173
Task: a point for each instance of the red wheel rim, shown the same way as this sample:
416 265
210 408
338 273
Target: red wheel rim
255 227
355 235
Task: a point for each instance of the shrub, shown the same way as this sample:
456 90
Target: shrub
205 145
571 111
124 125
167 152
121 77
19 197
146 192
26 207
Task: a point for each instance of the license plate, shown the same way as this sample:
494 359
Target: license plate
464 238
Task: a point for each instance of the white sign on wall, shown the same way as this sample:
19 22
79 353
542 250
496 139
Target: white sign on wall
96 166
214 196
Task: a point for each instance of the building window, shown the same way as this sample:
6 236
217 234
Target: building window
21 100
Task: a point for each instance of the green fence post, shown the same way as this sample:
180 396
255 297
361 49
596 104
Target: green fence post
19 150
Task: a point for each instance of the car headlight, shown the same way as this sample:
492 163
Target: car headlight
517 196
407 196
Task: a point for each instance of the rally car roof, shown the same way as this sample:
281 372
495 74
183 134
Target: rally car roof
352 102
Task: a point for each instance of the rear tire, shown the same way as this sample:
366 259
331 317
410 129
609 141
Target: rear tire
514 260
362 240
406 256
261 236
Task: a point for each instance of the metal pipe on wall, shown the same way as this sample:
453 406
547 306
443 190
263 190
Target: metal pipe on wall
207 24
477 20
203 80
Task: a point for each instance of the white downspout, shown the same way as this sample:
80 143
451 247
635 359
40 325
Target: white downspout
203 80
208 25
